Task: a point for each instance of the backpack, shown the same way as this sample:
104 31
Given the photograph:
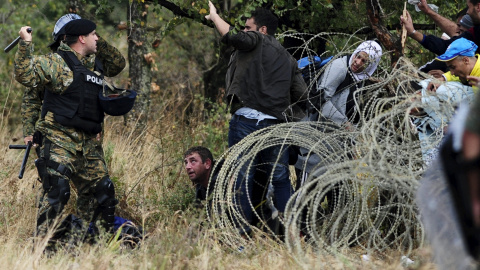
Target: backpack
310 66
310 71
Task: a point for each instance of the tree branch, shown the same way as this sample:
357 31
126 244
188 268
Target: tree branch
375 20
178 11
388 40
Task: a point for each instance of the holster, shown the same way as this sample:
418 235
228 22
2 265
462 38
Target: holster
38 138
41 162
41 165
45 162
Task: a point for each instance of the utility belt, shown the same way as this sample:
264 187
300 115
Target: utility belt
45 162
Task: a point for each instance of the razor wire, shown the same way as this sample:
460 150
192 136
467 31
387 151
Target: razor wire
361 192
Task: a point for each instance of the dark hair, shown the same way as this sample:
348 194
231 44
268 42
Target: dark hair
264 17
203 152
474 2
69 40
461 13
54 46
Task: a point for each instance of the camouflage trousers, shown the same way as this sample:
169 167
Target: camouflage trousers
83 157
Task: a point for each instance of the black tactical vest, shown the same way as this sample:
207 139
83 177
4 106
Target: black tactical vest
79 105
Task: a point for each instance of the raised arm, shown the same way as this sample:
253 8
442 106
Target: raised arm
112 60
25 72
222 26
411 32
38 70
445 24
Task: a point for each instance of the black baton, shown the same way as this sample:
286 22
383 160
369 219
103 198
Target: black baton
14 43
25 157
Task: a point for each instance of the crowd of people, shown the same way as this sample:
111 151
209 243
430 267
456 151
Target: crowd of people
63 115
456 56
453 142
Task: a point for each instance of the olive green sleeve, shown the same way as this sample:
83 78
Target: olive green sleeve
31 108
112 59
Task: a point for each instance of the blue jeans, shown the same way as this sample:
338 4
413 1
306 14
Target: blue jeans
279 174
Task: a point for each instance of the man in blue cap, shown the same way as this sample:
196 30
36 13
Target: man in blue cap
461 161
461 60
438 108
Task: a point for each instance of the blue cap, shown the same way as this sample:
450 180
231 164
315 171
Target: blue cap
460 47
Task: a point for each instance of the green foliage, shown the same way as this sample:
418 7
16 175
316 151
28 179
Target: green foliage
108 151
104 7
214 131
41 16
414 50
179 198
171 25
317 16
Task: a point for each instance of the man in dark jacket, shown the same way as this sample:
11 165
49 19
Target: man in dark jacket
262 82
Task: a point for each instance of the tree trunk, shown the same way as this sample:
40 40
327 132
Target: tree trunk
390 42
140 63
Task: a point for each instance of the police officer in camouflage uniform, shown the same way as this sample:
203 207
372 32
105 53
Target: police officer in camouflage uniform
33 96
70 119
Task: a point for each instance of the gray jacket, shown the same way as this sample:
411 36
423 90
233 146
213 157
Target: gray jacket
335 102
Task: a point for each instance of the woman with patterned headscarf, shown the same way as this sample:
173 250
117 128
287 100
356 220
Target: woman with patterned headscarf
341 79
336 88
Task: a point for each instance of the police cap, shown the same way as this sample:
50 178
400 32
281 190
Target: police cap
79 27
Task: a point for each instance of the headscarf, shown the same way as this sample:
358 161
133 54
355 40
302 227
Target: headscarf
374 51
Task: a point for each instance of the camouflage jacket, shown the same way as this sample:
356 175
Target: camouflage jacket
37 72
111 58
